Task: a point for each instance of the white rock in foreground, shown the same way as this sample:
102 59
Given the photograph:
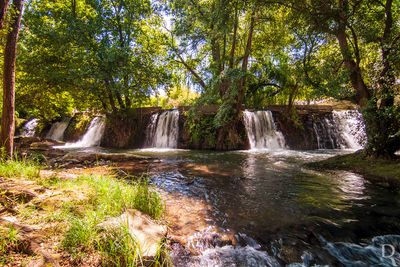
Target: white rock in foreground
147 233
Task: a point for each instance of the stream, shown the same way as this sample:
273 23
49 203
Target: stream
276 211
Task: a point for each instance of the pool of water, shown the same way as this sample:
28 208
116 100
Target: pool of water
277 211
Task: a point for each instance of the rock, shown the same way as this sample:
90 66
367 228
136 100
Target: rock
45 145
147 233
95 157
26 140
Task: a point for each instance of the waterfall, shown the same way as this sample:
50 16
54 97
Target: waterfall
325 132
93 134
351 128
261 130
163 129
29 128
57 130
344 129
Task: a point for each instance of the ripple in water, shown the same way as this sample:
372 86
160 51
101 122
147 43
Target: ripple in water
382 251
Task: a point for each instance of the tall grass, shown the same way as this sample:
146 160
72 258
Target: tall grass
98 197
22 168
119 248
109 197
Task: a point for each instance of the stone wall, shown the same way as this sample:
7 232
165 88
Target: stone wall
299 135
127 129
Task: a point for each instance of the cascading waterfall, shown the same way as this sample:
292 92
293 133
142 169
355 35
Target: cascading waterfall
351 128
261 130
162 132
29 128
93 135
344 129
325 132
57 130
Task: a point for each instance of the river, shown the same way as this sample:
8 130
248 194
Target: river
276 211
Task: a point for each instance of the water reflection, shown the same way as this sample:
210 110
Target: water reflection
270 196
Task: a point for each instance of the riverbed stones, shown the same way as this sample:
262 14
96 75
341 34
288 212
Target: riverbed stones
146 232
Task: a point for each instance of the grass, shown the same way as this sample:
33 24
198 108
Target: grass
109 197
10 241
119 248
382 171
22 168
82 204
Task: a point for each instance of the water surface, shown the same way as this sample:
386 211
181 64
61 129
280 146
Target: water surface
272 203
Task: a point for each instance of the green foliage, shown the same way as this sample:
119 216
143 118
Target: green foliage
9 241
99 55
383 129
81 234
108 197
177 96
119 248
19 168
201 128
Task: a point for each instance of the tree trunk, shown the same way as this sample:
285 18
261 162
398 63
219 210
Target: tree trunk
10 53
356 78
3 12
387 78
245 63
110 95
119 99
228 137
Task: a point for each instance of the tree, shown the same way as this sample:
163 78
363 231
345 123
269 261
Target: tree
3 12
213 40
105 55
362 27
8 119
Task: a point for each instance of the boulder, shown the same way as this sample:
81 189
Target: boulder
44 145
146 232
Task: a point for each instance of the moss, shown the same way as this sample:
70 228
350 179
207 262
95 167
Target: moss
382 171
201 130
77 126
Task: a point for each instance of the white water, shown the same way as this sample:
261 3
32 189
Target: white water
93 135
57 130
261 130
234 256
211 252
350 254
29 128
344 129
162 132
351 128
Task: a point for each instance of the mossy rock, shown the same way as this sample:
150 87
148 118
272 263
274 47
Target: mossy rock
77 126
